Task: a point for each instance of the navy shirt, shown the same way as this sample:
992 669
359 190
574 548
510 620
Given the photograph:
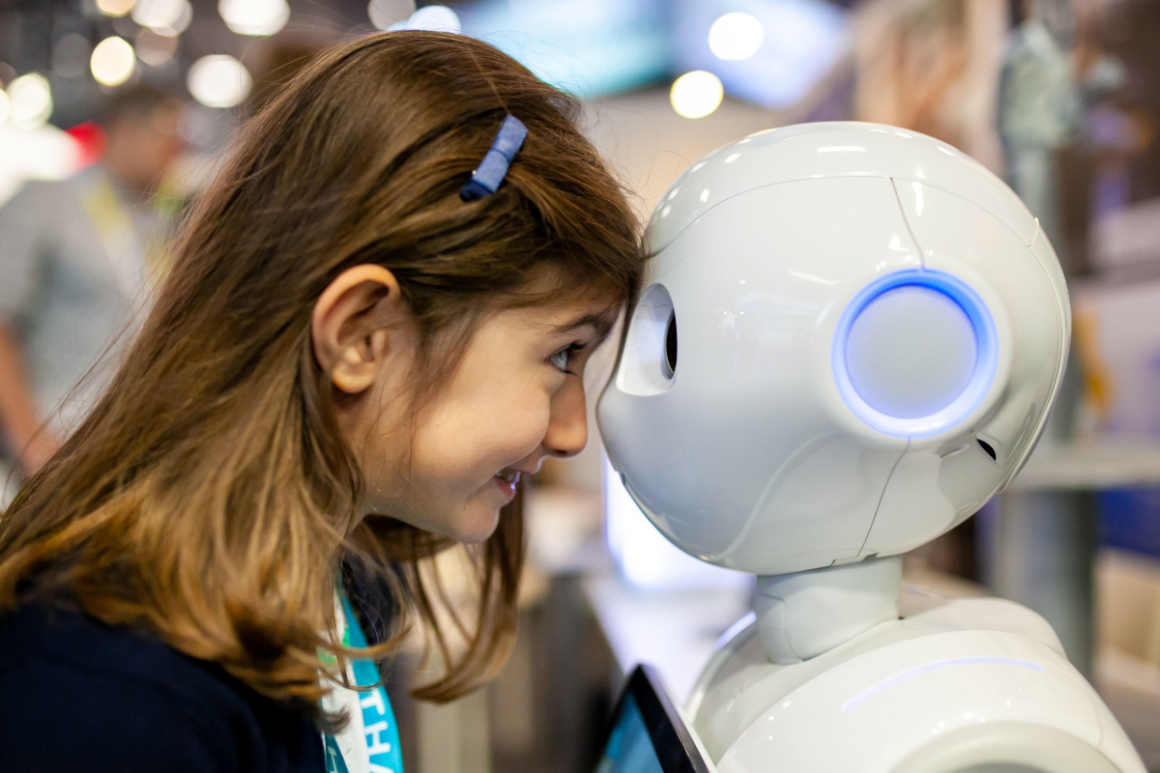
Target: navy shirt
77 695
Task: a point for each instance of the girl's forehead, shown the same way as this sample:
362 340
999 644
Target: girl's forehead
571 313
597 311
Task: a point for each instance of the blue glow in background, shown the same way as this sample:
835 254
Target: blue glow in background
803 41
592 48
586 47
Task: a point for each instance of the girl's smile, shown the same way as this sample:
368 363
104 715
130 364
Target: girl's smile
506 480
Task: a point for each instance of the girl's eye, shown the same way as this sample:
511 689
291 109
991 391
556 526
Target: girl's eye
563 358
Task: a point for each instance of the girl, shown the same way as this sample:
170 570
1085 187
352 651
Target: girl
348 370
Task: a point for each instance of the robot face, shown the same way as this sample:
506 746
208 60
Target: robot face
849 341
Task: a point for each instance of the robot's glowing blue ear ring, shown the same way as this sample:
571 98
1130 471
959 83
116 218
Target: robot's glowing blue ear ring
915 353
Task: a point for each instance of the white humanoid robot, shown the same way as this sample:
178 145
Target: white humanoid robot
849 340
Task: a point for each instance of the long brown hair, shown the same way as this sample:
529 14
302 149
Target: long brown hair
209 497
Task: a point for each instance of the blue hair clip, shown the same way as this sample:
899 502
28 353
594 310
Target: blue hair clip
489 174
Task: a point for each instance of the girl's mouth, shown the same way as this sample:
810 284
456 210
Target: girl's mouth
506 481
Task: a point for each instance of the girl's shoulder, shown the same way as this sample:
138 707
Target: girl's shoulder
78 694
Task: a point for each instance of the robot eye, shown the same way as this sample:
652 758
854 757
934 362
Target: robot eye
671 346
649 360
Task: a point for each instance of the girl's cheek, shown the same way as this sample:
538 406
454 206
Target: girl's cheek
526 428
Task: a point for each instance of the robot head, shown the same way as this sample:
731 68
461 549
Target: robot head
849 341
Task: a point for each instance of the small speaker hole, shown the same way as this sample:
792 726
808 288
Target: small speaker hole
983 444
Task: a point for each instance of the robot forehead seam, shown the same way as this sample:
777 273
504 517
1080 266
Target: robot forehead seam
966 401
783 155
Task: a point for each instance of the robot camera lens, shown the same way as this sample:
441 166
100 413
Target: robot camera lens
671 345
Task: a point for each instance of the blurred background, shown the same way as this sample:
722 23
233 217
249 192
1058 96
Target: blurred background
113 114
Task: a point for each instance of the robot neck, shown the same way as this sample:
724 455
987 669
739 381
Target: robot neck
802 615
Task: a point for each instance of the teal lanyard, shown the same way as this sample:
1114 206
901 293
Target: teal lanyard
381 732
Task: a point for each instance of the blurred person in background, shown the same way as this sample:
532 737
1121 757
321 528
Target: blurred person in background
74 260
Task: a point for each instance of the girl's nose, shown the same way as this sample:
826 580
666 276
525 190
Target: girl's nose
568 424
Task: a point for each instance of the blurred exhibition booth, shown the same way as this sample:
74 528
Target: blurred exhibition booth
1059 97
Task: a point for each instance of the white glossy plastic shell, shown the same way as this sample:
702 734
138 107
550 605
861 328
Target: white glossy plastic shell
747 454
896 699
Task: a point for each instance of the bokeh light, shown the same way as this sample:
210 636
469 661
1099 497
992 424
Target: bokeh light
155 48
696 94
735 36
219 80
254 17
384 13
115 7
433 18
113 61
169 15
182 21
31 101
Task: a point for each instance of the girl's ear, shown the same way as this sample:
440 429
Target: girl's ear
358 323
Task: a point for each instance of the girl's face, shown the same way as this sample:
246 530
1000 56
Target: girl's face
448 464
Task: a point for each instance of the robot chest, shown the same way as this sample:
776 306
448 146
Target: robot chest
913 702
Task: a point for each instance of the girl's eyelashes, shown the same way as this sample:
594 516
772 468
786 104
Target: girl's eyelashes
563 358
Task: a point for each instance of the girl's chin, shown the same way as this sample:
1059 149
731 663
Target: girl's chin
480 515
471 523
477 523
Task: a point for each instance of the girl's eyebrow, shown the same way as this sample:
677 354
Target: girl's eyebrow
601 321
